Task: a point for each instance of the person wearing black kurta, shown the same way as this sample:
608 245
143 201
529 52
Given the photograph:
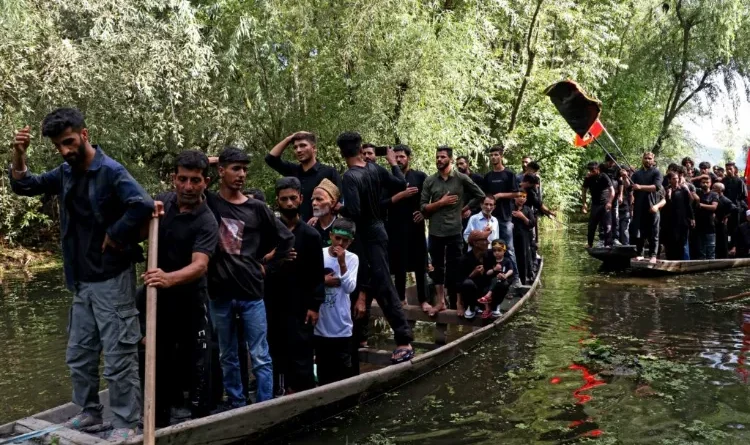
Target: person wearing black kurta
725 210
407 245
679 217
523 234
741 237
294 288
736 191
602 197
647 189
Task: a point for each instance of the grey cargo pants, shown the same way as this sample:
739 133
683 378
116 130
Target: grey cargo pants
104 318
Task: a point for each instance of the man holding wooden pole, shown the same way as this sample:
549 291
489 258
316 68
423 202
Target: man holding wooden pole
101 211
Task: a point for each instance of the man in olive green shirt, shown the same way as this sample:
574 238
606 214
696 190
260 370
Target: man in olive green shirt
442 196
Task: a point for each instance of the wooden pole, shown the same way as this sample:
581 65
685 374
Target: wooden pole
733 297
149 412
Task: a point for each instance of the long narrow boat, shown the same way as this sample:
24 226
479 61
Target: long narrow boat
691 266
260 420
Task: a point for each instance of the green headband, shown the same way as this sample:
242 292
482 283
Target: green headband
342 232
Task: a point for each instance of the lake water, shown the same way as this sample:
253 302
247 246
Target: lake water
603 357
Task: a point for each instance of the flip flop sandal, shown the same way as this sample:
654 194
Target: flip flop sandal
486 314
485 299
407 355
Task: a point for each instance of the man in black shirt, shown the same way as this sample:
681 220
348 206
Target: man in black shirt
736 191
464 166
741 237
294 292
309 171
407 244
647 187
502 183
705 220
368 153
602 195
472 279
705 172
612 170
725 209
361 191
678 217
247 231
187 238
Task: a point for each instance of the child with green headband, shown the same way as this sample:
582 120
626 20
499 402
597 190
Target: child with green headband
333 332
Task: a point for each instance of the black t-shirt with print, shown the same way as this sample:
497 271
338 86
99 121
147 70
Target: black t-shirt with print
501 182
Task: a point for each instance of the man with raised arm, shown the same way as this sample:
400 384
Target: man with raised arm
443 195
309 171
102 209
362 187
247 232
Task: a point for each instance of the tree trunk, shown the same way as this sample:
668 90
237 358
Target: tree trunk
529 68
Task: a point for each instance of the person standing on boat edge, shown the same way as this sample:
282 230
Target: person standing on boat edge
501 182
102 209
309 171
602 196
248 230
735 190
188 234
441 202
333 333
678 216
725 209
705 220
405 226
646 184
294 292
741 248
362 188
612 170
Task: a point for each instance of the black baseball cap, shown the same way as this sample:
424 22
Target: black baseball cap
233 155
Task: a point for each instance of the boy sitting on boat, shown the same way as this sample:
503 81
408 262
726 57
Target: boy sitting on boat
333 332
500 269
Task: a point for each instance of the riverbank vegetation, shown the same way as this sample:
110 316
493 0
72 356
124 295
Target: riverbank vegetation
158 76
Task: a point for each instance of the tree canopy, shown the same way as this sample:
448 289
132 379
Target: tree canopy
158 76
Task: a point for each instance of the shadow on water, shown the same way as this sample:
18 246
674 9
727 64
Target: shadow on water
597 356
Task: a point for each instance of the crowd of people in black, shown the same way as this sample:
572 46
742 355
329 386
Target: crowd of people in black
294 287
688 213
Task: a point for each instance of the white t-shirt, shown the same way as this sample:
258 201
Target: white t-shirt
335 315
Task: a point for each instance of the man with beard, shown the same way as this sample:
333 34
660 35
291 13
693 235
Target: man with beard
646 184
525 161
187 238
612 170
501 182
442 198
736 191
368 153
690 170
325 196
247 231
309 171
678 216
361 189
294 293
406 229
101 211
705 220
723 211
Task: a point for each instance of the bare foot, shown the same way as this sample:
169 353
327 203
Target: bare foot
440 307
426 307
639 258
404 303
652 260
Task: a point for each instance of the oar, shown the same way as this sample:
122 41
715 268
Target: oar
733 297
30 435
149 416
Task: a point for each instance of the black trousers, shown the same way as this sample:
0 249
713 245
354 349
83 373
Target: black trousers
182 354
333 357
722 240
445 252
291 346
375 274
645 227
408 252
471 292
602 218
674 242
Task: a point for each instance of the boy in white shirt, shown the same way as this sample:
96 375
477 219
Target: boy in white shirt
333 332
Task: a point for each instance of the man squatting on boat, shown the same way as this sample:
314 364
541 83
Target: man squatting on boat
686 214
225 261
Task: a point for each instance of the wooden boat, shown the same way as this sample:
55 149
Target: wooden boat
268 418
614 255
690 266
